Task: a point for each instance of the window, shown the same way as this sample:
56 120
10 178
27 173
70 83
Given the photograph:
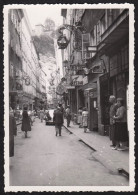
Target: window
93 37
11 69
98 32
112 14
103 24
85 44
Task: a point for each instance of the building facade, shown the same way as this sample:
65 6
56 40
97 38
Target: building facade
25 70
98 55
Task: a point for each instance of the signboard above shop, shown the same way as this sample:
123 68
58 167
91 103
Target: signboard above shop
77 80
77 67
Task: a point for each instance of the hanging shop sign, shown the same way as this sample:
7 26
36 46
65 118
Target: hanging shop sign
98 69
85 80
92 49
62 42
60 89
77 80
77 67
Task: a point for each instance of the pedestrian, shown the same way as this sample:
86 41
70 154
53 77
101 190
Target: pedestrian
121 132
58 120
79 121
12 132
68 115
85 119
41 113
26 126
112 113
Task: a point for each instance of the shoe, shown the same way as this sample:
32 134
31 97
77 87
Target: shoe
114 148
56 134
112 145
59 134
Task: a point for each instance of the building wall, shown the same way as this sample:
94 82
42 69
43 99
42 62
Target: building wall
23 61
108 30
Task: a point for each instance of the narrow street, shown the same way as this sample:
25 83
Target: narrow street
43 159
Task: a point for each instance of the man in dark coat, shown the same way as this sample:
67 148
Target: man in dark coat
113 109
58 119
12 132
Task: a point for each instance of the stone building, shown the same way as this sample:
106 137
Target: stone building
25 70
98 53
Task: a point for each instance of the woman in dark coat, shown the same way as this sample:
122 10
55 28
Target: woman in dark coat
121 132
26 126
12 132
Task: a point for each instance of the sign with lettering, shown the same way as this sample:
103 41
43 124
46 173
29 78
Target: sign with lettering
77 80
77 67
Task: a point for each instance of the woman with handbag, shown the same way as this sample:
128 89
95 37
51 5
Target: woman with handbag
26 126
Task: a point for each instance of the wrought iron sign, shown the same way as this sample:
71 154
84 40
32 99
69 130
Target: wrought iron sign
62 42
99 69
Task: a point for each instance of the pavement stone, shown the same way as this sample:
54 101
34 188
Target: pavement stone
111 159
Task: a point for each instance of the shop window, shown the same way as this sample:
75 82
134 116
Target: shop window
85 44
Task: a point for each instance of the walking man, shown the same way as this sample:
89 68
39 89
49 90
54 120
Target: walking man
58 119
68 116
113 109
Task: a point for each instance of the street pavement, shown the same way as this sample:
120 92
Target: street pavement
111 159
43 159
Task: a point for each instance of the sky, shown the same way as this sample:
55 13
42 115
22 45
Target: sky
37 15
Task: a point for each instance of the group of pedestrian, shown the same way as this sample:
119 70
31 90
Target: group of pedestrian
118 124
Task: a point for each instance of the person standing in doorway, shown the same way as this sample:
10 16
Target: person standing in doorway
85 119
121 132
58 119
68 116
113 109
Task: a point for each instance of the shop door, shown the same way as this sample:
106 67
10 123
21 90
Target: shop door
93 115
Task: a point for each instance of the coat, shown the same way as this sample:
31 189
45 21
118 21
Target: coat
58 117
26 126
85 118
12 132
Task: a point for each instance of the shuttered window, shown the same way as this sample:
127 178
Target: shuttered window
85 44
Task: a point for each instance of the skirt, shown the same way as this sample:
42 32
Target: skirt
121 133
